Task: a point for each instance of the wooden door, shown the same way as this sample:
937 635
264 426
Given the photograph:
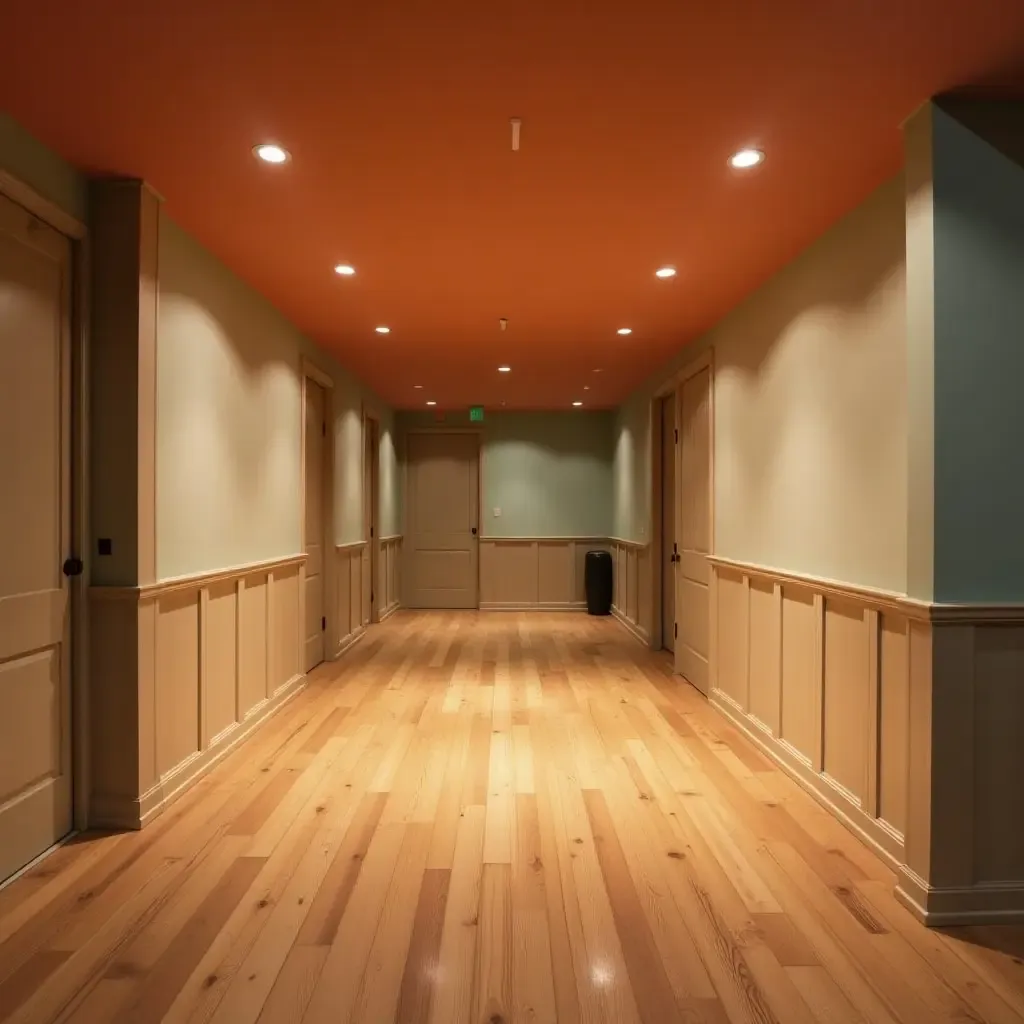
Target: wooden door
35 535
443 513
315 444
694 604
668 521
371 454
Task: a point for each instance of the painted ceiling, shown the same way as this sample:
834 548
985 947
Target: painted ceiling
397 120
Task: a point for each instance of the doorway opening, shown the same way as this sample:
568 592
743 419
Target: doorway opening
317 462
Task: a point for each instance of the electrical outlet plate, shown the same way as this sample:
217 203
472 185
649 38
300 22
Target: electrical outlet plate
497 513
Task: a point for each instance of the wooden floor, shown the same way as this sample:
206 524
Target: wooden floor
490 818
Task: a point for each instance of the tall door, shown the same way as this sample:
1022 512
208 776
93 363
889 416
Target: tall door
694 609
442 512
35 536
668 521
370 472
316 614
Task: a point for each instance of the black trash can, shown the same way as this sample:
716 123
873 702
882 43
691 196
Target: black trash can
597 578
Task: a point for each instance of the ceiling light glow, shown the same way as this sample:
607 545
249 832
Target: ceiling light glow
577 403
746 158
624 330
383 330
665 272
345 269
504 369
270 153
431 403
418 387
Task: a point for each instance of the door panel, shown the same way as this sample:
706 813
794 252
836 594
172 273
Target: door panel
35 682
694 528
443 504
314 527
668 521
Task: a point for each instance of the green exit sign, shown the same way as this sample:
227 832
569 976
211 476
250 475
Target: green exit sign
476 414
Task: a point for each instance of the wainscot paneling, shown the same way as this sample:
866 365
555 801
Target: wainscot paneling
816 674
192 666
350 616
389 575
535 573
631 602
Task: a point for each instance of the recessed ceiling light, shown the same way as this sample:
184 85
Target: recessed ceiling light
746 158
586 387
599 370
665 272
270 153
624 330
345 269
418 387
383 330
577 403
431 403
504 369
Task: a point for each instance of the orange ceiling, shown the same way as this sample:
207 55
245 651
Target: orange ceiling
397 119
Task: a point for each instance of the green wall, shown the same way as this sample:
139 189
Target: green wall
550 473
979 366
31 162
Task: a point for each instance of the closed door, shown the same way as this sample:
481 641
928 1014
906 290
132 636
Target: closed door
668 521
694 605
442 508
35 680
315 443
370 467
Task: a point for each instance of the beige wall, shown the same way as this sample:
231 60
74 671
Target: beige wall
810 412
810 409
228 423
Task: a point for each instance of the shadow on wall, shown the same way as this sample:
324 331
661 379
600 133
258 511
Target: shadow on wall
228 417
810 413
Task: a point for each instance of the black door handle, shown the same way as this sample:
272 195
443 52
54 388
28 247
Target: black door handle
474 531
73 566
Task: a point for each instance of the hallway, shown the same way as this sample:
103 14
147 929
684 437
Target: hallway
494 818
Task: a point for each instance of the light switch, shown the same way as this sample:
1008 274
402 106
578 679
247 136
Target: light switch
497 513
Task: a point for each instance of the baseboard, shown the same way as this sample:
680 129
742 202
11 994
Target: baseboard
876 834
535 606
389 611
986 903
136 812
353 638
632 627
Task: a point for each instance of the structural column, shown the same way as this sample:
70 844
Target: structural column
125 217
965 541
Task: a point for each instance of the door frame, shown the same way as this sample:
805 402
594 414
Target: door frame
675 383
311 372
78 333
407 548
371 522
657 637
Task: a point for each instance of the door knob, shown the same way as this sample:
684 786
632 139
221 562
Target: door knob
474 531
72 566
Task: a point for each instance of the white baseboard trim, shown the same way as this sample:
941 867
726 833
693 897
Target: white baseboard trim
985 903
134 813
535 606
389 611
876 834
353 638
632 627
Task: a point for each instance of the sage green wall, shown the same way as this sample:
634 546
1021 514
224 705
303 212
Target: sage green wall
550 473
30 161
978 224
229 422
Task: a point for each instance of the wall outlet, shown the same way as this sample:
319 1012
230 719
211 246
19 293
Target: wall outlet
497 513
643 530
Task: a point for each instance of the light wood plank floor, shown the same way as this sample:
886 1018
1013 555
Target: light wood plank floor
490 818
